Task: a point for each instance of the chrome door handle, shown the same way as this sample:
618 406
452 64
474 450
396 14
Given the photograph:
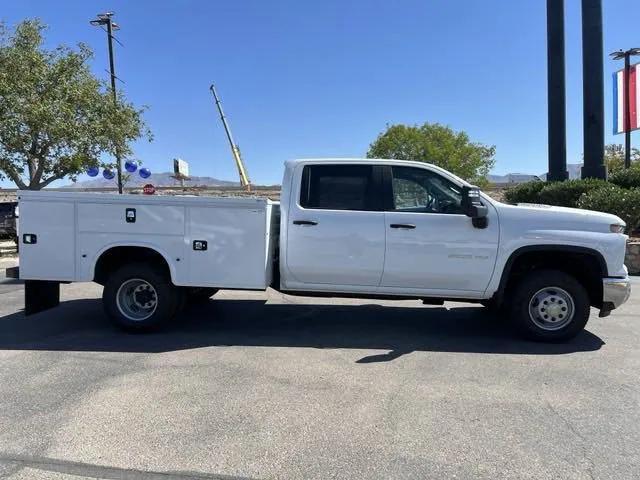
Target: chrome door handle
406 226
305 222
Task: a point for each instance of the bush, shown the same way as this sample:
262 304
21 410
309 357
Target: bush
567 193
627 178
625 203
524 193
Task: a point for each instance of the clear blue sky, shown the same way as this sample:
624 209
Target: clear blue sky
323 78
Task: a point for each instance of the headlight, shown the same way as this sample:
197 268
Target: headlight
617 228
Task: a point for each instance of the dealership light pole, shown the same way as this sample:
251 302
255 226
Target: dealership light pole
593 89
556 97
105 19
626 56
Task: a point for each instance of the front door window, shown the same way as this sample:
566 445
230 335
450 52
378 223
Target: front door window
420 190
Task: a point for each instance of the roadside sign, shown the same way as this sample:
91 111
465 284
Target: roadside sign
180 168
148 189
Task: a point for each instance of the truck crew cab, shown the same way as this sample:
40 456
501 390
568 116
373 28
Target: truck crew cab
343 227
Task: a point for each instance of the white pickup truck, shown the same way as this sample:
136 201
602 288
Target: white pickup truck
360 228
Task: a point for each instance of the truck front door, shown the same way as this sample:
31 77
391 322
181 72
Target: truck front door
431 246
336 231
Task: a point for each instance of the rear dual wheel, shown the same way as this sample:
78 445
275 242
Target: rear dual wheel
139 297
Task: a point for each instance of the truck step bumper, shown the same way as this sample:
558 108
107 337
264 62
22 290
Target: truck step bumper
40 295
615 291
12 272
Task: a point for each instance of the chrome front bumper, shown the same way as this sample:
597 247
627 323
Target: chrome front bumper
615 291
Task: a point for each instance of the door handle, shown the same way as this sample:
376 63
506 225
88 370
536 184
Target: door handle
305 222
406 226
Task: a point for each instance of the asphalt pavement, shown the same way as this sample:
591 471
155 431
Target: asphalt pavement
263 386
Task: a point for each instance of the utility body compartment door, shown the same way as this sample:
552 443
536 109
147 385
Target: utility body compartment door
227 246
48 227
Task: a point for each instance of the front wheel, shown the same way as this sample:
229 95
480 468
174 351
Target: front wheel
550 305
138 297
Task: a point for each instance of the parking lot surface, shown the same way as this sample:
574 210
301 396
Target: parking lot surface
261 385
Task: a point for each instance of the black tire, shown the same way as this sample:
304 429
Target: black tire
562 293
200 294
157 288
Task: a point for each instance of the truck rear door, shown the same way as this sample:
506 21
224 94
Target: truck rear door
335 231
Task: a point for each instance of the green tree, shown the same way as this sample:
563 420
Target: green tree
56 117
614 156
437 144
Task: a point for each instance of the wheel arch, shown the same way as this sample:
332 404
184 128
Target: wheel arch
114 256
589 271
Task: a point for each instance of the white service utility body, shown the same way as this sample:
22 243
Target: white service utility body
344 227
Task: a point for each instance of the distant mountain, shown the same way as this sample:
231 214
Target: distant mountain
163 179
574 170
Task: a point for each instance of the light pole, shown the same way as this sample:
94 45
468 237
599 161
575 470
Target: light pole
626 55
593 90
105 19
556 103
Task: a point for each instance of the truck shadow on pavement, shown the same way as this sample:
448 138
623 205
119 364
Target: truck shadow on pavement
80 325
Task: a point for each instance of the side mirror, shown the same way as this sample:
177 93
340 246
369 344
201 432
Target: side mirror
473 207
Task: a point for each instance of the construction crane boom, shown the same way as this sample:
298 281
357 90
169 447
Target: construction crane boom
235 151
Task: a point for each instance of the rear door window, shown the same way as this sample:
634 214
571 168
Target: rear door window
338 187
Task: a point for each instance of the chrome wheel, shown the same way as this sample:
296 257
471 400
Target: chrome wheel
136 299
551 308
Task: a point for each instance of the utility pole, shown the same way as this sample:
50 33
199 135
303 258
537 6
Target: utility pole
556 99
593 89
105 19
626 95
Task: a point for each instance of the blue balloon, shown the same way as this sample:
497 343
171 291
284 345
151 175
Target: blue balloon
93 171
145 172
108 174
130 166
